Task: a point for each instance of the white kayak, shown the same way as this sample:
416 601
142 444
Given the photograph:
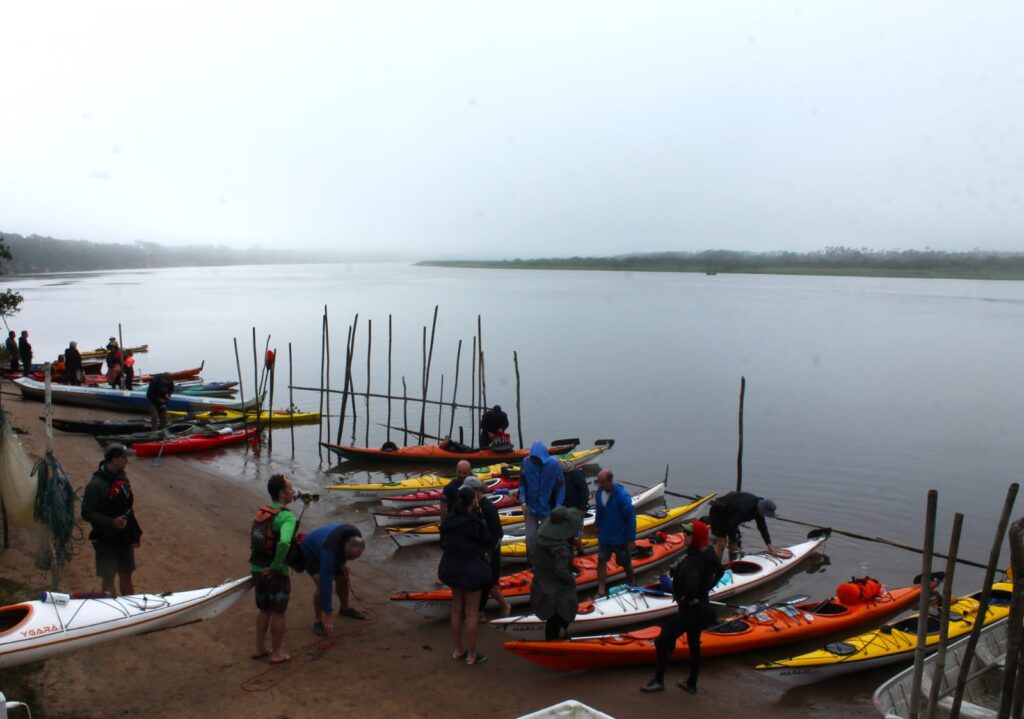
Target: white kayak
635 605
510 519
36 630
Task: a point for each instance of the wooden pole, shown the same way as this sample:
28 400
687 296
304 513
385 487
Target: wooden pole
369 351
360 393
480 346
423 380
739 451
986 593
344 385
922 609
291 399
405 413
389 378
939 664
120 338
323 355
270 407
426 371
256 383
519 409
1011 702
349 382
455 391
241 386
472 395
440 406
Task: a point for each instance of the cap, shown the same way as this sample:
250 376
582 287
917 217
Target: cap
766 507
115 450
473 483
563 523
686 527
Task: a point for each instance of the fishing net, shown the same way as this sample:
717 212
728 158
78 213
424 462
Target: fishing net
55 509
17 488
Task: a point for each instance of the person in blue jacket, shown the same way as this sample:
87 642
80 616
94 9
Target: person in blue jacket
541 489
616 528
326 551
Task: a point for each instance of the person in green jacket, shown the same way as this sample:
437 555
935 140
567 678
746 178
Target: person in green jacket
271 536
108 506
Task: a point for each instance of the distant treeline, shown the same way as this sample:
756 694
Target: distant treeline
831 261
34 254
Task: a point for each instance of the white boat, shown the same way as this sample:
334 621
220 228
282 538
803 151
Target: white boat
36 630
569 709
984 684
510 519
647 604
122 400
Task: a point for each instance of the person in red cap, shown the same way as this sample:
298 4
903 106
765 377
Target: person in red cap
692 579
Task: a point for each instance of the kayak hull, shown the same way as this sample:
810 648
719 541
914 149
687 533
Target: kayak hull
119 400
193 443
433 454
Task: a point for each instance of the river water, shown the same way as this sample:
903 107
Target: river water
861 393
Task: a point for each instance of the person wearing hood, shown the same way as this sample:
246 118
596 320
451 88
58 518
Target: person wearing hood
616 529
692 579
465 541
553 592
541 489
728 512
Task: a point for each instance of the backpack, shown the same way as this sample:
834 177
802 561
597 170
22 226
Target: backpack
262 537
858 590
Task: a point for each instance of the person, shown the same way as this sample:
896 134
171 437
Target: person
270 538
58 371
128 369
160 389
541 488
465 541
463 470
13 353
553 592
327 551
114 364
25 353
494 421
108 505
733 509
616 528
73 364
494 527
692 580
577 496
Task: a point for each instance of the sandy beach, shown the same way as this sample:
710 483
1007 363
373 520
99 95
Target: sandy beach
196 524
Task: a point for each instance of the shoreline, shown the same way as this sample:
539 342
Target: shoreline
196 521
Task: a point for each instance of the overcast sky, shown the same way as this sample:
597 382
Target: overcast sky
515 129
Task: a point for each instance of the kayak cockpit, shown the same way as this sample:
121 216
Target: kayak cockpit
13 617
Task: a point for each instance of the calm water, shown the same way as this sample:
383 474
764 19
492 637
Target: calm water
861 393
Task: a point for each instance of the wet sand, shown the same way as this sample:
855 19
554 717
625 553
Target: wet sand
196 523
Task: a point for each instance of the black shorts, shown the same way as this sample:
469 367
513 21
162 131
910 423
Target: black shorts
272 591
113 559
719 517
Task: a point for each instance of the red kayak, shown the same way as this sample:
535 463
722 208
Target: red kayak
433 496
193 443
767 628
427 513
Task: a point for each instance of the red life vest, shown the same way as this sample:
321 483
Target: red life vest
262 537
859 590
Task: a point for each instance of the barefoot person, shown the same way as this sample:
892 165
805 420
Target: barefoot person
270 538
327 551
108 505
735 508
616 528
464 543
490 514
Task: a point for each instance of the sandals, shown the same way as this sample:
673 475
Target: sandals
480 659
284 658
459 657
260 655
352 613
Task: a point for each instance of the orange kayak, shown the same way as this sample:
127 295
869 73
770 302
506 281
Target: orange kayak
771 627
516 587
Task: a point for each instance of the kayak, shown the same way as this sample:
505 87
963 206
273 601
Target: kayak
100 426
569 460
182 374
499 483
102 351
768 627
171 431
510 518
119 399
516 587
646 525
626 605
273 417
194 443
888 645
427 513
447 454
37 630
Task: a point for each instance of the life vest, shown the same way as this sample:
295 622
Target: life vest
262 538
858 590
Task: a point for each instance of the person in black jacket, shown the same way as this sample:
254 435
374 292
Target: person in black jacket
494 421
728 512
108 506
25 352
12 350
73 364
490 514
692 579
160 389
465 541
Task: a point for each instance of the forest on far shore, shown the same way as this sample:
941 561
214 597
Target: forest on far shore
976 264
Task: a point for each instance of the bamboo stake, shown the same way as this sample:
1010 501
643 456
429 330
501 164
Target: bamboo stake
519 411
369 350
922 609
241 386
389 378
426 372
1011 702
350 384
739 451
270 407
440 405
323 395
455 391
256 384
344 384
291 399
423 379
405 413
472 394
939 665
986 593
480 347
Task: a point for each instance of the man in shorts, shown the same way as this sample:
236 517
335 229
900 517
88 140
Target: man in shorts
108 505
616 528
731 510
327 551
270 538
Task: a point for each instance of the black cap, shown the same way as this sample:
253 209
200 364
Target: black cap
115 450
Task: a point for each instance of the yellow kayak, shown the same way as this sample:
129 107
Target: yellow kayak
569 461
646 524
890 644
274 417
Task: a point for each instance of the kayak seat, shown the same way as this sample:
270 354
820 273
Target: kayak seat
732 626
841 649
741 566
999 598
12 617
829 607
909 625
